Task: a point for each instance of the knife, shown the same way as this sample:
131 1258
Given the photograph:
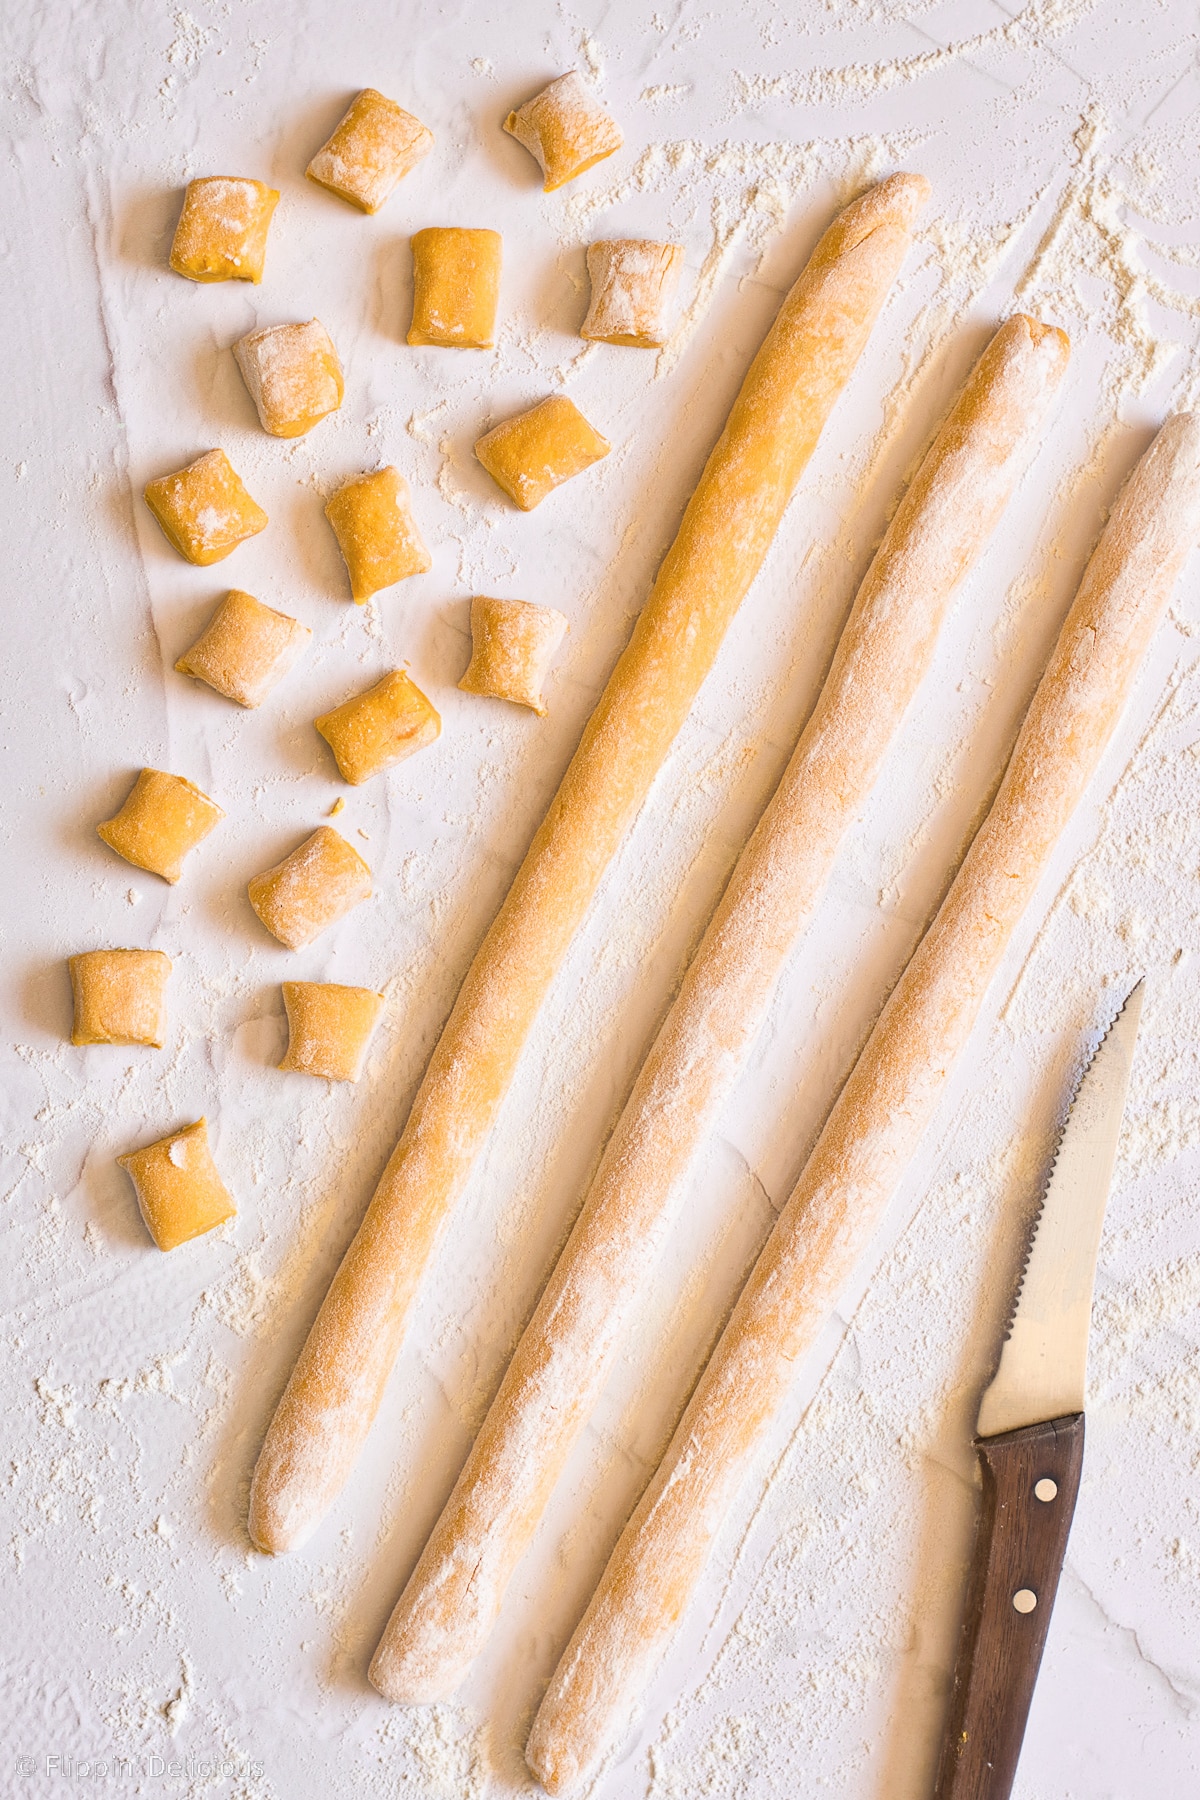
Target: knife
1030 1440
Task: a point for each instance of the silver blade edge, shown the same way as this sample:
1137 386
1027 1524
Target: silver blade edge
1043 1361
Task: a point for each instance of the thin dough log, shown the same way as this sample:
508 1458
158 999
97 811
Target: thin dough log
789 391
562 1362
880 1116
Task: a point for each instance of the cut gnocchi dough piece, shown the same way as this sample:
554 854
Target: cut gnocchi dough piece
222 230
164 817
329 1028
204 510
375 144
245 649
379 727
293 374
180 1194
566 129
322 880
512 647
120 997
456 287
376 532
633 284
532 454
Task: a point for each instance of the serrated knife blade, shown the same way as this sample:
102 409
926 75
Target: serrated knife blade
1043 1363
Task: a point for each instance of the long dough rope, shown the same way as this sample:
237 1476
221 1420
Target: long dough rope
804 363
876 1125
563 1359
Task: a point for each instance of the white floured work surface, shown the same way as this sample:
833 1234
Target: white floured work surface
1062 140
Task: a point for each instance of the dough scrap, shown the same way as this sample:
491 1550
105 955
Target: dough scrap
222 229
245 649
376 532
163 818
566 129
536 451
633 284
293 375
374 145
379 727
180 1194
456 287
120 997
512 647
322 880
204 510
329 1028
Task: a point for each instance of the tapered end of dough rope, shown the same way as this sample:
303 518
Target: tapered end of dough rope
1039 332
433 1634
897 200
279 1520
393 1674
551 1761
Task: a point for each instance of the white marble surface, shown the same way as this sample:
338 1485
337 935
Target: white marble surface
1062 141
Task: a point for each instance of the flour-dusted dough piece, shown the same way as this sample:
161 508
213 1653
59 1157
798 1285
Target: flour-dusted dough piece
222 230
180 1194
379 727
789 391
566 129
245 649
880 1116
375 144
456 287
293 375
633 284
560 1366
512 647
120 997
376 532
535 452
204 510
164 817
329 1028
322 880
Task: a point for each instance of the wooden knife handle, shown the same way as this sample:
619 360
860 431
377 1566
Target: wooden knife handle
1019 1554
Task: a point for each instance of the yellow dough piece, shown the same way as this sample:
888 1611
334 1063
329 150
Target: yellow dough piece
245 649
512 647
329 1028
120 997
376 532
164 817
293 374
880 1117
788 393
535 452
456 287
222 230
322 880
178 1189
379 727
566 129
633 284
204 510
376 143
